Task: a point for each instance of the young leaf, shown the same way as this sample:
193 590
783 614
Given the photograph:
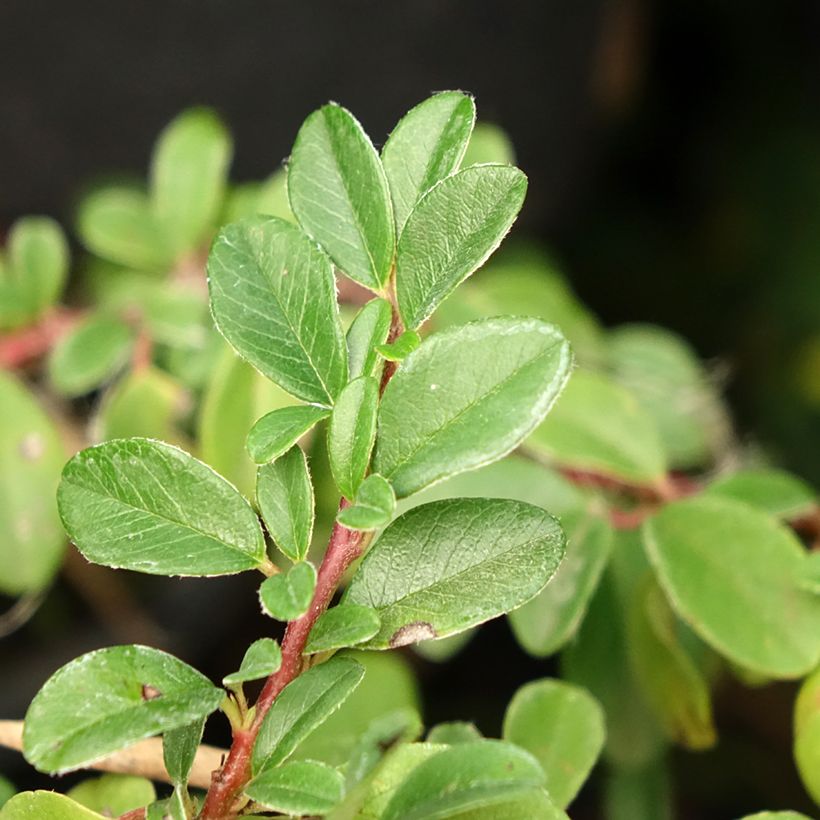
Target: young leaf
562 726
303 705
113 794
451 232
31 455
446 566
89 354
369 328
284 493
298 787
179 747
351 433
547 622
774 491
341 626
454 732
731 573
807 734
598 425
51 805
488 143
400 349
467 776
38 258
287 595
466 397
374 506
263 658
147 506
273 297
426 146
339 194
105 700
280 429
188 172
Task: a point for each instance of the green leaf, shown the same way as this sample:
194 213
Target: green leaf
89 354
488 143
113 794
562 726
7 791
807 734
269 197
469 776
673 684
369 328
442 649
38 257
338 192
454 732
400 349
598 425
106 700
773 491
341 626
119 225
284 494
147 506
299 787
547 622
731 573
776 815
466 397
480 558
179 748
236 395
273 297
263 658
31 457
188 173
280 429
373 508
810 573
33 805
640 792
451 232
287 595
301 707
425 147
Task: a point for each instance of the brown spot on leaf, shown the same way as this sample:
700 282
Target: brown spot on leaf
150 692
412 633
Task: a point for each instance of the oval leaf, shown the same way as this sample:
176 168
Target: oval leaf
299 787
32 805
280 429
807 735
451 232
273 297
400 349
341 626
369 329
374 507
774 491
287 595
113 794
263 658
179 748
106 700
466 397
339 194
147 506
446 566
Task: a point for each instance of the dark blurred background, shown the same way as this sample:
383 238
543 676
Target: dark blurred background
673 150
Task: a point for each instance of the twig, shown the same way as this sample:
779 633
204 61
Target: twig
23 346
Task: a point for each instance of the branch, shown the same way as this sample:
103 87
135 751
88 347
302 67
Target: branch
143 758
20 347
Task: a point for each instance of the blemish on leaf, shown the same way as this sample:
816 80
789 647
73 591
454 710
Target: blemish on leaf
32 447
412 633
150 692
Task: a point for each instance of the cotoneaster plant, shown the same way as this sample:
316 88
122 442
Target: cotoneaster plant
671 567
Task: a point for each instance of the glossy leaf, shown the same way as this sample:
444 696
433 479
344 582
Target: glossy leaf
774 491
342 626
562 726
31 456
284 493
263 658
113 794
287 595
298 787
426 146
338 192
368 329
807 734
277 431
273 297
373 508
351 433
547 622
731 572
188 173
598 425
89 354
54 806
466 397
400 349
446 566
451 232
147 506
179 748
302 706
106 700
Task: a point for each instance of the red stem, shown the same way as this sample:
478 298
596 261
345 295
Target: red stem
20 347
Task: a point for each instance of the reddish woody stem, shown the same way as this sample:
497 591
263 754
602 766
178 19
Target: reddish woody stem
20 347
